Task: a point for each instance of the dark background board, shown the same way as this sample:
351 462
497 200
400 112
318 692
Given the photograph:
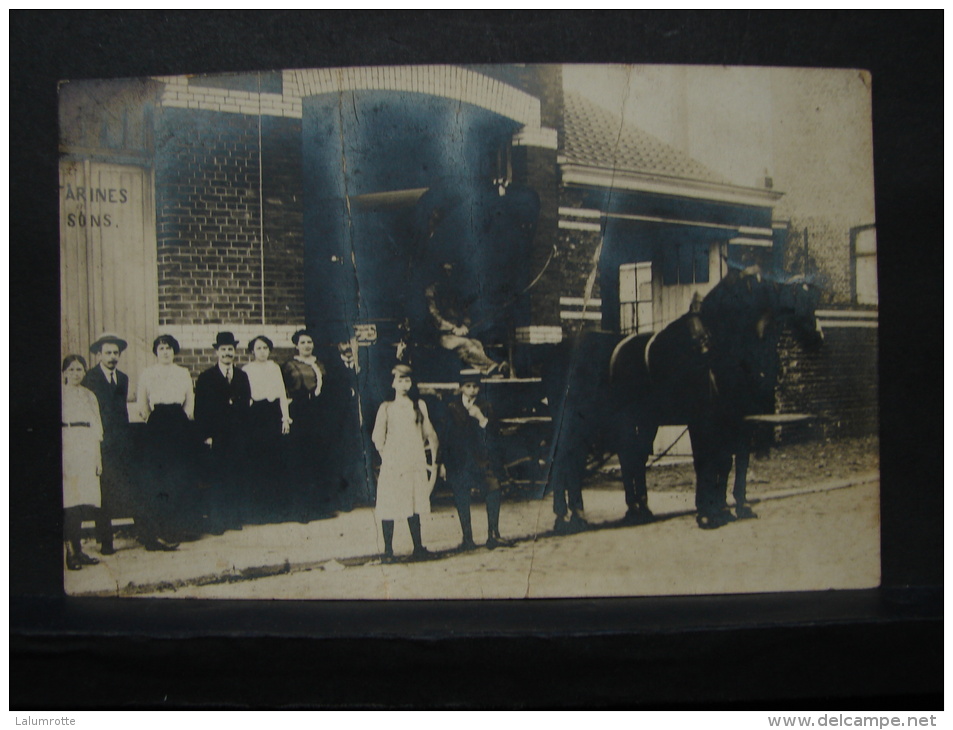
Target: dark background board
869 649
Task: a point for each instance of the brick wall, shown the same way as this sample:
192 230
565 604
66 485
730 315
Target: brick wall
536 167
452 82
838 384
200 359
543 82
283 220
827 255
185 93
207 217
575 265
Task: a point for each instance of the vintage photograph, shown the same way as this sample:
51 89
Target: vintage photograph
462 332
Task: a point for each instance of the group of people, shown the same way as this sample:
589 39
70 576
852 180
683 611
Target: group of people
246 444
261 443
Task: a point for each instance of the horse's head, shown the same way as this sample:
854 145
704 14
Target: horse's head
797 304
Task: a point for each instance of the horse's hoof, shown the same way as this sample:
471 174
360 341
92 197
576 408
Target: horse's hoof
578 522
639 516
422 554
744 512
711 522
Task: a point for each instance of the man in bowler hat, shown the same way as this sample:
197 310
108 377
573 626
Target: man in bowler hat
222 403
471 456
111 388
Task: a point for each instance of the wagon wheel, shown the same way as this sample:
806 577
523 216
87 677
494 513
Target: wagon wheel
432 466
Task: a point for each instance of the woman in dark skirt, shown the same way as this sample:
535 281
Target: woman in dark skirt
166 403
304 377
269 420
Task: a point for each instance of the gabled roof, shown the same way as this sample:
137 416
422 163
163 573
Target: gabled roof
595 137
599 149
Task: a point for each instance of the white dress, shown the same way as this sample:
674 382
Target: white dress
81 455
399 435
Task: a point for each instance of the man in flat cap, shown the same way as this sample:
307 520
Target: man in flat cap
111 388
471 456
222 403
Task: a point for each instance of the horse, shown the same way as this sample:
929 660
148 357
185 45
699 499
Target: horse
710 369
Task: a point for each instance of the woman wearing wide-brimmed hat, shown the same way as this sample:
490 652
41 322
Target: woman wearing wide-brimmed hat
166 403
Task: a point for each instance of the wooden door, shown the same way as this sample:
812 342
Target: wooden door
108 276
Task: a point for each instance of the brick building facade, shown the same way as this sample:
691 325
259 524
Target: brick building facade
269 202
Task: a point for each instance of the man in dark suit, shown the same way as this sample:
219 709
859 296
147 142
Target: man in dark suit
470 441
345 461
222 403
111 388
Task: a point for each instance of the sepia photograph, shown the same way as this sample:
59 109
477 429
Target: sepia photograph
469 332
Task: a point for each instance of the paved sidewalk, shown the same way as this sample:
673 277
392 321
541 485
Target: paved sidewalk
353 539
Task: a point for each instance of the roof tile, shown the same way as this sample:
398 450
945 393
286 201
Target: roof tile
596 137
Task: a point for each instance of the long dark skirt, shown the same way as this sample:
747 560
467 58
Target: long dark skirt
307 498
268 495
168 487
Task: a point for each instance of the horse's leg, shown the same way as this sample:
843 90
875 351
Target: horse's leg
567 472
708 463
559 498
635 449
722 470
740 492
577 474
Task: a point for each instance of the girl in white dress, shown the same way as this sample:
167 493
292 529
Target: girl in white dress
82 460
402 434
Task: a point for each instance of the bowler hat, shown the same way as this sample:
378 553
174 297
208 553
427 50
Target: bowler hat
225 338
108 338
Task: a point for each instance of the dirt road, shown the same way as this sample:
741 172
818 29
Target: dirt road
808 542
818 528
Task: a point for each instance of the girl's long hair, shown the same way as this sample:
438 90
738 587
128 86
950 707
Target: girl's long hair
414 396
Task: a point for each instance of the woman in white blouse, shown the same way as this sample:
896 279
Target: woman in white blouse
82 461
268 422
167 402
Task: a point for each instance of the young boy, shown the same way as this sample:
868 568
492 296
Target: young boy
471 456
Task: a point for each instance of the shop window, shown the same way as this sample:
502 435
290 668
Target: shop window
635 297
863 244
684 263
